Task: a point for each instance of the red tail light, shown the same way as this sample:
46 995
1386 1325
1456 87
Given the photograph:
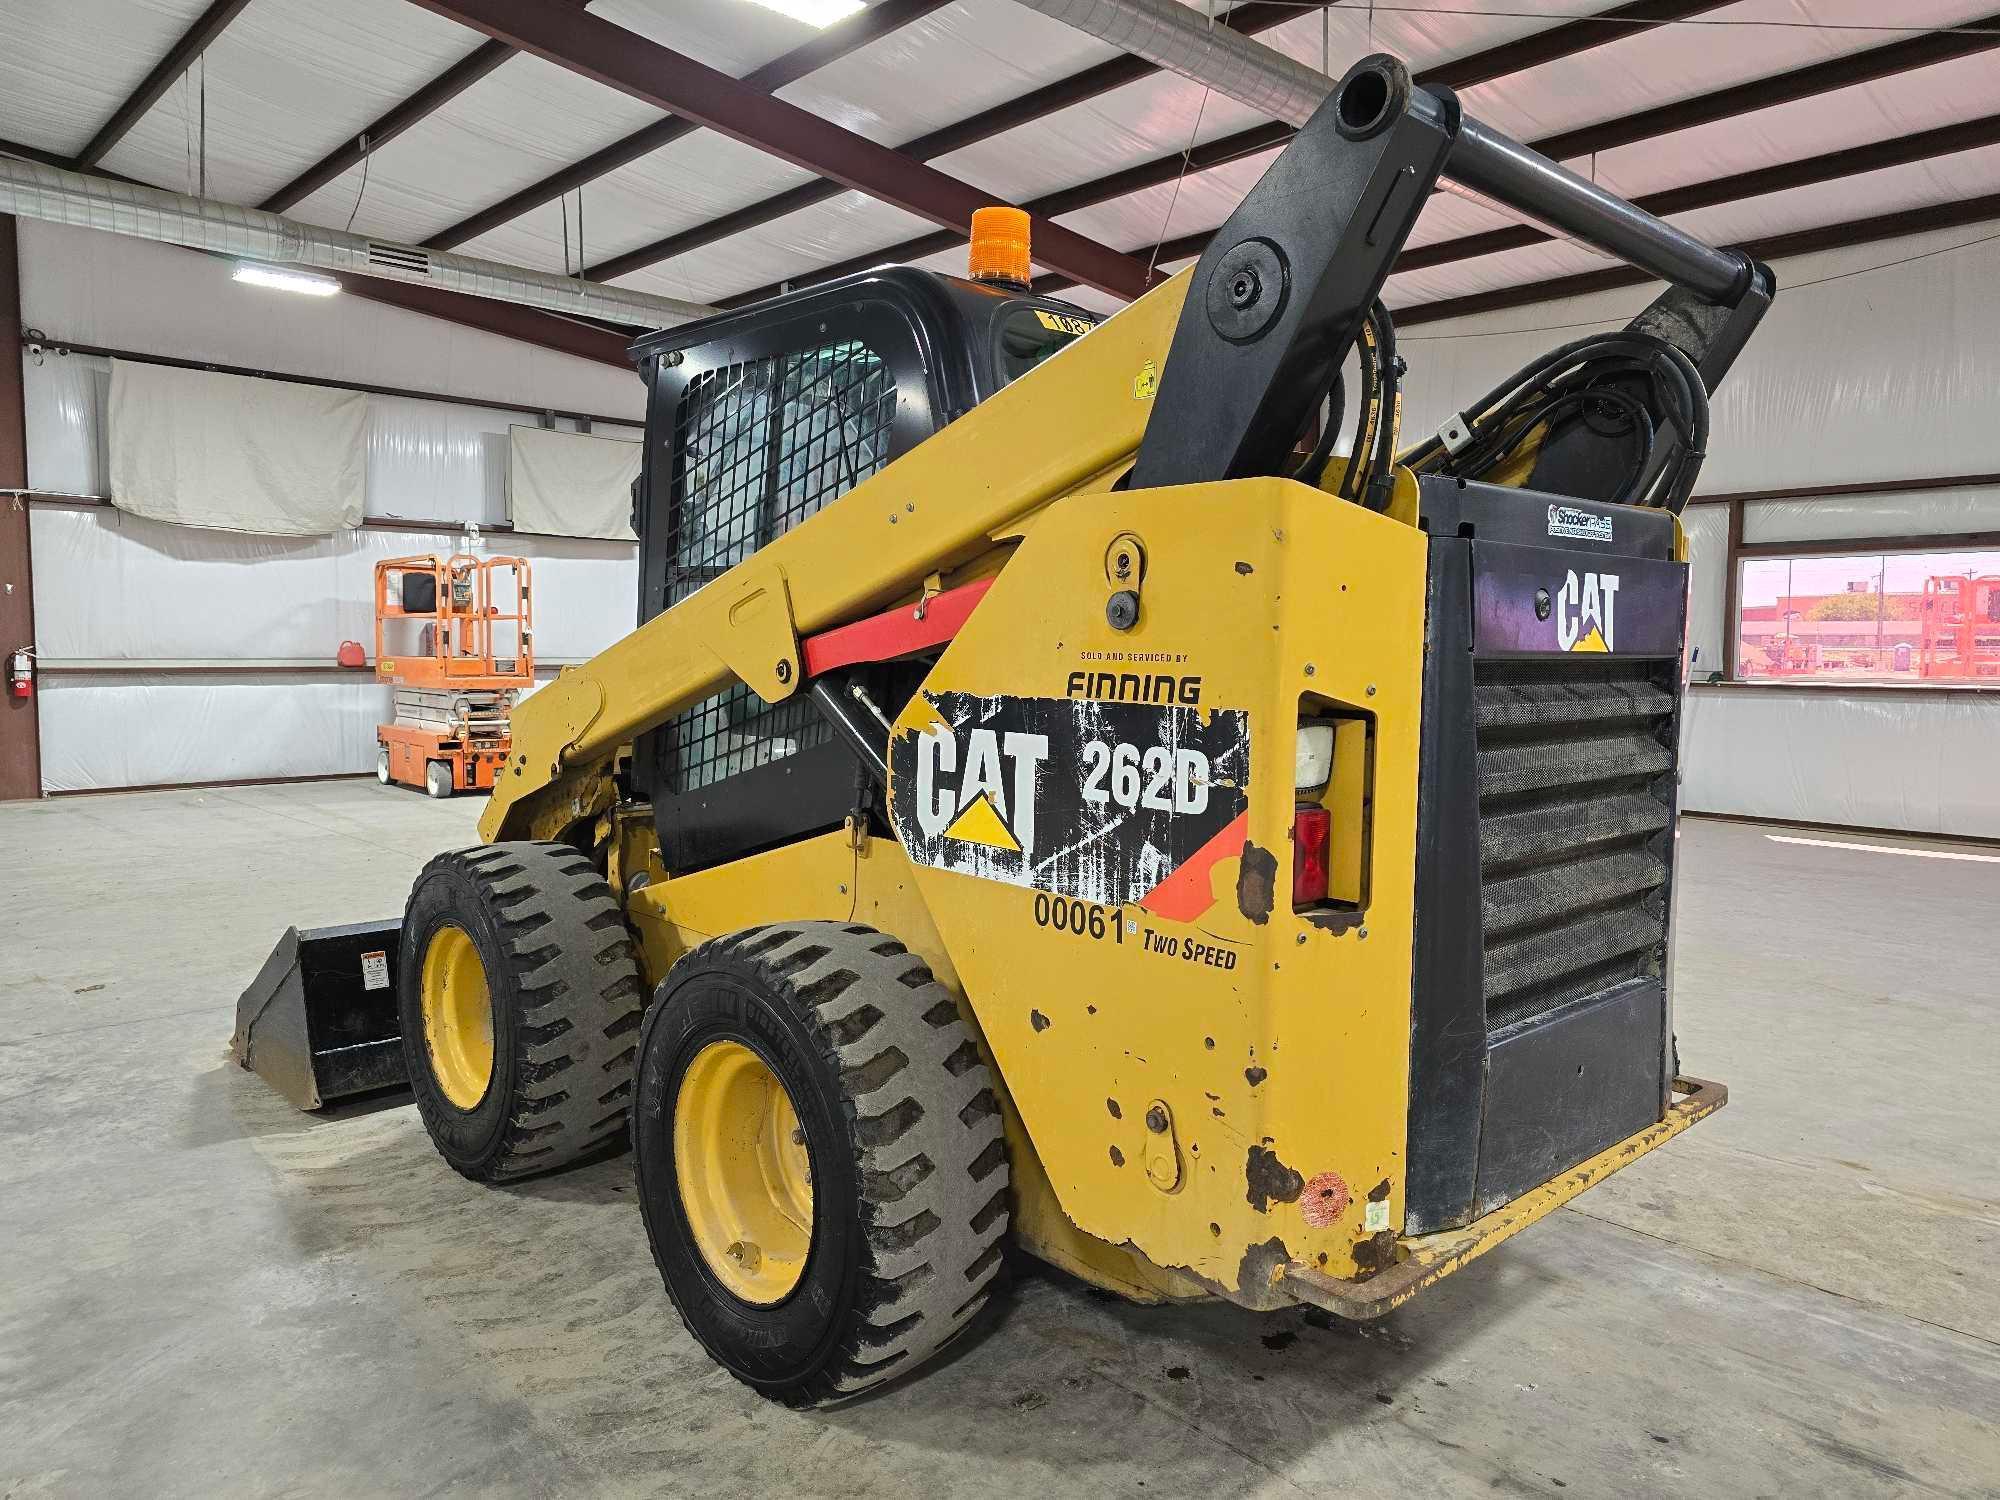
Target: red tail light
1312 827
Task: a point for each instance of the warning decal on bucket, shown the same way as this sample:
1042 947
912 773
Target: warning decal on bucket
1099 801
375 971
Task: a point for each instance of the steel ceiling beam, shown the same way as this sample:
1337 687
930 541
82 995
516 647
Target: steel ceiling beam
1953 215
524 324
1550 45
1830 166
1947 44
1250 19
419 107
621 59
193 42
509 320
46 158
373 136
1131 179
839 39
1870 66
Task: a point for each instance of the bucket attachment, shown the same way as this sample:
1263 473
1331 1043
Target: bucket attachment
319 1021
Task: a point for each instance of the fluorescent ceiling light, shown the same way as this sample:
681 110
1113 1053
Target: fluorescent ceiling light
307 282
820 13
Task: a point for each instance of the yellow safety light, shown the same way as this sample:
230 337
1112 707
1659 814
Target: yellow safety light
999 245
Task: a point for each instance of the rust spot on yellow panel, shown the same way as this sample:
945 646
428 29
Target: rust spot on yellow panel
1270 1180
1257 883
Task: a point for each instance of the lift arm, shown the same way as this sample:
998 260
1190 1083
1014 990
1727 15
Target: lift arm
1243 344
1279 296
1077 418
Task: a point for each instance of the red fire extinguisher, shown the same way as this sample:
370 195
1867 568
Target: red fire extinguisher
21 674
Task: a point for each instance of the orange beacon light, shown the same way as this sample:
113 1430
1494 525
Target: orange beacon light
999 250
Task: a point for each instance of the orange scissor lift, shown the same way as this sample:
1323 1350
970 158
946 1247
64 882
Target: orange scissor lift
1961 618
468 624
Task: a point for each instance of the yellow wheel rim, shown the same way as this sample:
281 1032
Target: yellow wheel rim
458 1017
744 1174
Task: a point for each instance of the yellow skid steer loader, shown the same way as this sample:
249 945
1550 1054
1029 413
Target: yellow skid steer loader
1039 804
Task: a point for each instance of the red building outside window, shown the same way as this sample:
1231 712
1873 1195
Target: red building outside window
1928 618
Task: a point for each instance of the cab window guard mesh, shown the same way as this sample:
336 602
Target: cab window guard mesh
761 446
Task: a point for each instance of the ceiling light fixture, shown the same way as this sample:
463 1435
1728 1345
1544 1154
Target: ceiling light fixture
820 13
305 282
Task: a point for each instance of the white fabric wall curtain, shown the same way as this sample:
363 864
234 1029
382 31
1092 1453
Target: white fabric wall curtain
225 451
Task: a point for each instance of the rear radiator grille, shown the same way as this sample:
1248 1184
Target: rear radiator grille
1576 761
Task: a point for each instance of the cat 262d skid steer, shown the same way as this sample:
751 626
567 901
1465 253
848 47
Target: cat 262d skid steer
1039 803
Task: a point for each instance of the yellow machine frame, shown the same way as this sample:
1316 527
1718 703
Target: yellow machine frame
1176 1128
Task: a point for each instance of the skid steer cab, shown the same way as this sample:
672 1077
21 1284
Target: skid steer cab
1060 793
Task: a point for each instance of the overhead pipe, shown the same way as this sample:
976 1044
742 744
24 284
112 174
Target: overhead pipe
55 195
1497 170
1182 40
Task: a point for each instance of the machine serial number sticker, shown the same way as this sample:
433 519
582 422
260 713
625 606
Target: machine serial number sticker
1063 322
374 971
1114 803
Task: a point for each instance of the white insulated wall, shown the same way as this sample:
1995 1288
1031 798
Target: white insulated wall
119 598
1877 362
1884 372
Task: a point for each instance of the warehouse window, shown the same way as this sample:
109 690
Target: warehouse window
1897 617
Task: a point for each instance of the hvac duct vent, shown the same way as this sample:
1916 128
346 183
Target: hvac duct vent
406 259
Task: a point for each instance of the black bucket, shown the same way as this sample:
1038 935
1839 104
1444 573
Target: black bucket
319 1022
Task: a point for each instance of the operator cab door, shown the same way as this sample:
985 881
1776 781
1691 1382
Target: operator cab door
756 421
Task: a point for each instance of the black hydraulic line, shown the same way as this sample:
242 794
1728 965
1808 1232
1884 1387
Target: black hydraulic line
1368 350
1329 434
1381 486
1526 181
1286 288
1569 382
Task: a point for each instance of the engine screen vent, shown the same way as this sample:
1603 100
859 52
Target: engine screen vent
1576 774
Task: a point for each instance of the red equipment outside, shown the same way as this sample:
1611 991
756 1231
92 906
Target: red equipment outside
1961 618
467 624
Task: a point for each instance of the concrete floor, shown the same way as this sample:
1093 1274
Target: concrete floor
204 1293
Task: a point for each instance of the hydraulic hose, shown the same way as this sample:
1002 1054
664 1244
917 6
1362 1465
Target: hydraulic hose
1583 381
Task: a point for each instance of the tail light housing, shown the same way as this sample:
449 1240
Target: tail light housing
1312 827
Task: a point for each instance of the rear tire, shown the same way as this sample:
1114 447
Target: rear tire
382 765
908 1170
564 1007
438 779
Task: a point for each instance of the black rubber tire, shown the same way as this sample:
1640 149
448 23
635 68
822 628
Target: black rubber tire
567 1000
909 1169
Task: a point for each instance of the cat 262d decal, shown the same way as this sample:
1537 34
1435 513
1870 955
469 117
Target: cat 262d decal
1103 802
